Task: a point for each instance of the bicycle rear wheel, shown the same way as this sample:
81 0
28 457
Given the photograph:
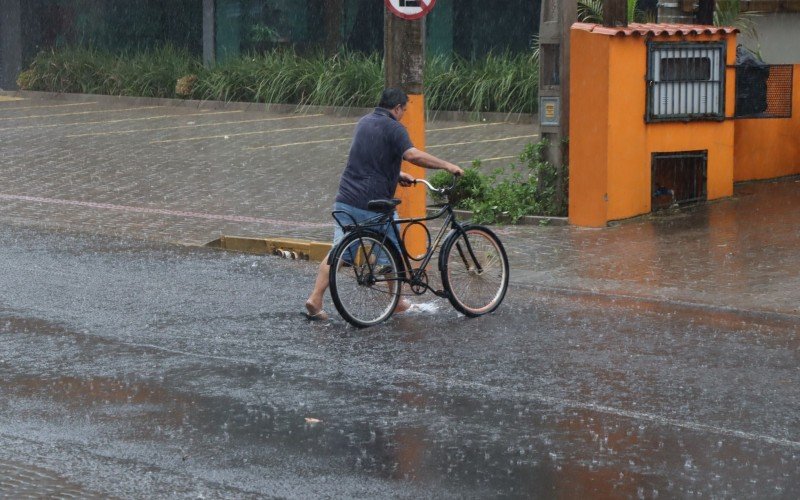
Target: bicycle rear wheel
476 280
365 278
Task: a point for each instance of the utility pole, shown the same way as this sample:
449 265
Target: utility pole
404 64
556 19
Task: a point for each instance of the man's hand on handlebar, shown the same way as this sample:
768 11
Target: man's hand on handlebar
406 180
455 169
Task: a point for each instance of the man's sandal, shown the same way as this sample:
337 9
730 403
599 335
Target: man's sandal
312 315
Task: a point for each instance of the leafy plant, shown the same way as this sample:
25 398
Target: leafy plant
185 85
471 186
591 11
261 33
507 194
730 13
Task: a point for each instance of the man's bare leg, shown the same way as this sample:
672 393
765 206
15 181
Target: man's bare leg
315 300
402 306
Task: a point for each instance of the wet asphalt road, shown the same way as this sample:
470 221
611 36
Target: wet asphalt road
132 369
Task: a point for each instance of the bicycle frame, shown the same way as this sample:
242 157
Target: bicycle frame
411 275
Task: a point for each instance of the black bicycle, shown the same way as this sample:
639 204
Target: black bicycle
368 270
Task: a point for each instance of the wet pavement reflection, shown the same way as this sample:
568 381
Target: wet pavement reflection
131 369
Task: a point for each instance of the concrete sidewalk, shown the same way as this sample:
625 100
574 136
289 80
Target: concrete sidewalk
192 174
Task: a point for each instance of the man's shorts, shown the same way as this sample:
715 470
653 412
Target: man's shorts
360 215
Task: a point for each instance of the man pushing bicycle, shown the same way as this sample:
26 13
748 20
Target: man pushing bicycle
380 144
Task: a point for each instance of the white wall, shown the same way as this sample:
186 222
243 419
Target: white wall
778 37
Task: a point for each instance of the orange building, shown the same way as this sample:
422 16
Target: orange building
649 109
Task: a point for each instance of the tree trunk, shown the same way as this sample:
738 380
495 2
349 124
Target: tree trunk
705 14
333 12
615 13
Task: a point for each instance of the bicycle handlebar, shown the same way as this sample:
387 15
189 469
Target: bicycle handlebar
437 190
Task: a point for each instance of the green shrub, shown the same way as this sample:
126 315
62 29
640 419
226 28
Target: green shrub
26 79
152 73
471 186
499 82
507 194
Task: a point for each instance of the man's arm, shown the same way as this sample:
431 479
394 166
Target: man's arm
426 160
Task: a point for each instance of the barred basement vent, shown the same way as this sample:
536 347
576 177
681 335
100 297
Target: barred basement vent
678 178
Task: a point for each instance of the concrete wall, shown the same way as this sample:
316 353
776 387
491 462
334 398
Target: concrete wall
10 43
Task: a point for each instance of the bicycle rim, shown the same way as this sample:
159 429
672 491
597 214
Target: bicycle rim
364 280
472 291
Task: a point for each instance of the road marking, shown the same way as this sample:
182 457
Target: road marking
484 160
8 98
105 122
485 140
78 113
297 144
464 126
252 148
193 126
49 105
259 132
161 211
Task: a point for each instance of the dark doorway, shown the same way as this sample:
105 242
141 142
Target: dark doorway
678 178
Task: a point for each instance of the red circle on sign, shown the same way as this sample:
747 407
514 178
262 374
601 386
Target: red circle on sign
395 9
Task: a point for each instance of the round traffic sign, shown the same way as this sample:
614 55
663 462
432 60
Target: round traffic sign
410 9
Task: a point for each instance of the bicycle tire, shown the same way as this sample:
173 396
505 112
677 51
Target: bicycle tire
360 299
472 292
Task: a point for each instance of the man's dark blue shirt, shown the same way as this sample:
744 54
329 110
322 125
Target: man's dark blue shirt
373 166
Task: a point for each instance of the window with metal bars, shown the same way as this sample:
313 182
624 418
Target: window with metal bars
685 81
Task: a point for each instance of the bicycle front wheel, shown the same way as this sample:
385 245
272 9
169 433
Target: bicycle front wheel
365 279
474 270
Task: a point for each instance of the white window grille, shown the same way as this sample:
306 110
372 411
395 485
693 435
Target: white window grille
685 81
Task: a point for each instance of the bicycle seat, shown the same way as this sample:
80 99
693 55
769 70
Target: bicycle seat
383 205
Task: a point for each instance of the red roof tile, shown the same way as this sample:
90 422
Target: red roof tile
644 29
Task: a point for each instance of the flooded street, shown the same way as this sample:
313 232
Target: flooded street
134 369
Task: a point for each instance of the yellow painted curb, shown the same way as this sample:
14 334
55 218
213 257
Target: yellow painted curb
283 247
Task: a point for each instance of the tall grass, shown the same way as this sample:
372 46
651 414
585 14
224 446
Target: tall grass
499 82
151 73
346 79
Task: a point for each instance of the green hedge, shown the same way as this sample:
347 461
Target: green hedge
499 82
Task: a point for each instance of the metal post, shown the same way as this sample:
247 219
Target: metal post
554 49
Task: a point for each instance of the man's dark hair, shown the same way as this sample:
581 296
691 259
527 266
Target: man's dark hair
392 97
